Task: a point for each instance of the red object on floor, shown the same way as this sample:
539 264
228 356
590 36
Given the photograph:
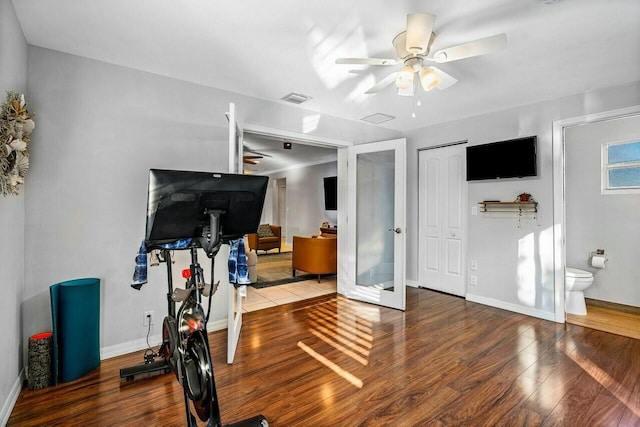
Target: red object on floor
41 336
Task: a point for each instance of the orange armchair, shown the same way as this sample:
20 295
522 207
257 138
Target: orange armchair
257 243
314 255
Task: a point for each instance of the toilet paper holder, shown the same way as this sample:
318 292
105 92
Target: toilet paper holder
597 258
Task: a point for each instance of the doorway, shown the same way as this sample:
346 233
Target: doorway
442 225
584 209
295 203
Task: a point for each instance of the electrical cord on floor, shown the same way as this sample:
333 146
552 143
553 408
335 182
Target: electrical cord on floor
149 354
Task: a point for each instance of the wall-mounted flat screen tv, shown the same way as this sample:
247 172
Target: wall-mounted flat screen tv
331 193
514 158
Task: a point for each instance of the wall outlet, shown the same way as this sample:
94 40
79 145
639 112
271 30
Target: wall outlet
474 265
473 280
148 318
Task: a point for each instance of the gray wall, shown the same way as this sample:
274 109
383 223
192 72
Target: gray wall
101 127
595 220
305 199
503 250
13 77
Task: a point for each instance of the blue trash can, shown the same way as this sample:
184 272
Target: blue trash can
75 312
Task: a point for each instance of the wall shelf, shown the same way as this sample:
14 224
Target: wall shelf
516 207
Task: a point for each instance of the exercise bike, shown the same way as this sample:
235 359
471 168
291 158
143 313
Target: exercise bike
196 207
185 344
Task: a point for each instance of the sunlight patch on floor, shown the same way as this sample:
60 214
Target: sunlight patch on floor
329 364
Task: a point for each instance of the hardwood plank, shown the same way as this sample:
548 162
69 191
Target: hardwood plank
333 361
609 320
613 306
606 410
595 353
522 418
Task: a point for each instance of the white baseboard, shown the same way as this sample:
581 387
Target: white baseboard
528 311
155 340
12 398
413 283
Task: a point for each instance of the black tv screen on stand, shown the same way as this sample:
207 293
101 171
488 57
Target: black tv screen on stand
331 193
179 202
513 158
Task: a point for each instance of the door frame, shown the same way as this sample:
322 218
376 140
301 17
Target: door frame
234 300
278 210
463 214
343 190
341 146
559 211
350 287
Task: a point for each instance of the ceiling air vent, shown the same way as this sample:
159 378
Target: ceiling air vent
377 118
296 98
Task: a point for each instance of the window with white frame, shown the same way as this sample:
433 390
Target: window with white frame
621 167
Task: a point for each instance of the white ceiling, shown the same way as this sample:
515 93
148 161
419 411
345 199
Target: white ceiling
267 49
275 158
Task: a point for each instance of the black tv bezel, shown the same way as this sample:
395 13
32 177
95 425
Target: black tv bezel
173 218
333 182
529 169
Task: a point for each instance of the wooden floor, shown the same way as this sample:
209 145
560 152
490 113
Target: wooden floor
335 362
609 318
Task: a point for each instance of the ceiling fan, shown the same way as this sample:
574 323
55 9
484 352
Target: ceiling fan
413 47
252 157
251 160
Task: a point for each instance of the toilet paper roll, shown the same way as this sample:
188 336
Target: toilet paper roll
598 261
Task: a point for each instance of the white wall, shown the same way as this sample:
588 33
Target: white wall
101 127
305 199
515 264
13 77
594 220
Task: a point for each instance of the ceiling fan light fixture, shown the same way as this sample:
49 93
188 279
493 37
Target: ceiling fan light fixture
428 79
405 77
406 91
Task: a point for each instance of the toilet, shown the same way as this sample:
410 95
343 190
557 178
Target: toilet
575 282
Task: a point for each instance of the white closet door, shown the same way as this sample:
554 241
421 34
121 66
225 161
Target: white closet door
442 225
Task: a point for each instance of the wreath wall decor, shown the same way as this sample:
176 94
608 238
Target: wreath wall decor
16 125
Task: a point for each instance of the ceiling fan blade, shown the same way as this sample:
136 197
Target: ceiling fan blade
419 28
383 83
248 150
446 80
367 61
471 49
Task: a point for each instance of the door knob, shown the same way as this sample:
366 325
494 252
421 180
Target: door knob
397 230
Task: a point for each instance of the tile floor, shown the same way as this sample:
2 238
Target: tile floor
258 299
